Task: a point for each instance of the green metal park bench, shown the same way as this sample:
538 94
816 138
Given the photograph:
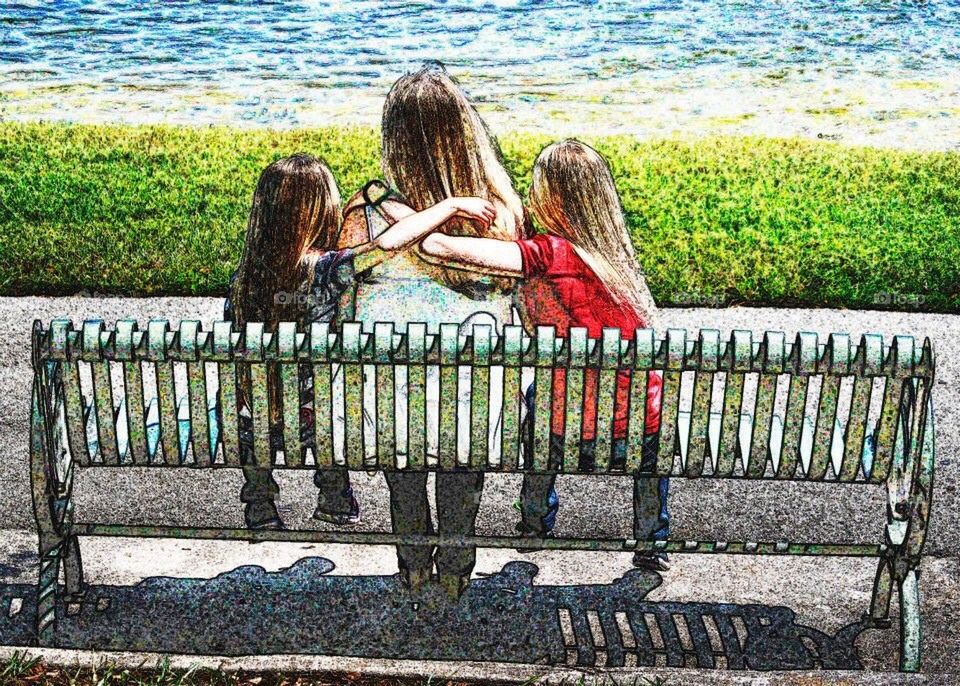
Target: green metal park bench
778 409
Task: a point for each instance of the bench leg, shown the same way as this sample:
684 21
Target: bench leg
73 569
910 622
882 591
51 554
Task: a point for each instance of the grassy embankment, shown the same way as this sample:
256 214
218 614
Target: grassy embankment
161 210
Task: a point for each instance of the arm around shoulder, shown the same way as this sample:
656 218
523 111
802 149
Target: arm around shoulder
478 254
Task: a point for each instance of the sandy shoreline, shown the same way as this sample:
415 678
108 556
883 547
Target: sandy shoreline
863 110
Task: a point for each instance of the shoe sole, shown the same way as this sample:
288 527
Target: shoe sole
334 519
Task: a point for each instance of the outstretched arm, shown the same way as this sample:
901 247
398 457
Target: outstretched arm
478 254
415 226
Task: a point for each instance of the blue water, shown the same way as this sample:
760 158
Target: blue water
517 49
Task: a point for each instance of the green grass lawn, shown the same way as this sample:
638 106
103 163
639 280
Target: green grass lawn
162 210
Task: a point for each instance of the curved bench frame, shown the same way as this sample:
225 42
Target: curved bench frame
92 423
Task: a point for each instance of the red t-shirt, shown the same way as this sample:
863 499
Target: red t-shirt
561 290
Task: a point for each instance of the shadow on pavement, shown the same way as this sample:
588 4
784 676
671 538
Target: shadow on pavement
504 617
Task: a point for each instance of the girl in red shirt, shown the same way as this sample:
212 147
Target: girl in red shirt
581 273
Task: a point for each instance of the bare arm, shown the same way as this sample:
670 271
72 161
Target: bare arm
414 226
479 254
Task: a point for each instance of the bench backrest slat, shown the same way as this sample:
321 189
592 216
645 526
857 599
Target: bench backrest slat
293 399
157 351
352 341
450 389
577 347
672 352
416 396
480 396
606 397
192 340
543 397
643 357
736 361
698 448
770 357
511 356
385 395
322 396
102 392
126 341
252 374
449 394
227 376
62 342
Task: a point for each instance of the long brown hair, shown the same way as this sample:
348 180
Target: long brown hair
435 146
573 196
296 206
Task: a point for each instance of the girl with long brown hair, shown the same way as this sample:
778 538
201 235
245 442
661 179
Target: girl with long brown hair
436 146
290 270
583 272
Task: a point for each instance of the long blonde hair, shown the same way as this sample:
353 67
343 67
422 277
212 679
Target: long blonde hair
573 196
436 146
296 207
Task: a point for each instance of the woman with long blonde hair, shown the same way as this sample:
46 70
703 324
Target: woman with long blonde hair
291 270
435 146
583 272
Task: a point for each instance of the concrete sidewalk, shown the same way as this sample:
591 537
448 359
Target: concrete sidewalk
823 594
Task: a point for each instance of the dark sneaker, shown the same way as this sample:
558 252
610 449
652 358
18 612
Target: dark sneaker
527 532
414 579
454 585
655 562
339 518
262 516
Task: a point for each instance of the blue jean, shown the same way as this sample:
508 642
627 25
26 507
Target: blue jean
539 501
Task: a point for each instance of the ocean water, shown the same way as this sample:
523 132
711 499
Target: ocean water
532 61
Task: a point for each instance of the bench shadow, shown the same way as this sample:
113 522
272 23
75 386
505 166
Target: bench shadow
504 617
